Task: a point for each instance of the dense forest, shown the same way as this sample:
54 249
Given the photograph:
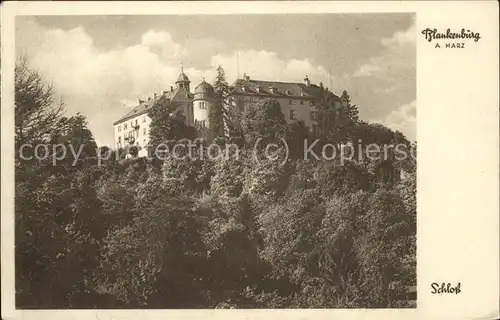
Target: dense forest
244 231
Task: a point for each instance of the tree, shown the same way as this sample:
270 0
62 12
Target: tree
385 239
347 118
58 226
36 114
58 231
297 136
218 112
156 260
73 132
326 112
263 120
288 230
351 111
338 264
167 123
341 179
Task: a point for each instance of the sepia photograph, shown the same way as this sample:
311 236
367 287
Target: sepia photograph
249 159
237 161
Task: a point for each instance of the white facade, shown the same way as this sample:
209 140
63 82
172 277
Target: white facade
201 108
297 103
136 128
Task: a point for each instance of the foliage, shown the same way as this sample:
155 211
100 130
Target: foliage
217 116
263 120
243 230
36 114
167 123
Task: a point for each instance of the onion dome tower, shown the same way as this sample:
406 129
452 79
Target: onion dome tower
183 80
202 102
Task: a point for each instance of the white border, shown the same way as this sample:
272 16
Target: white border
458 168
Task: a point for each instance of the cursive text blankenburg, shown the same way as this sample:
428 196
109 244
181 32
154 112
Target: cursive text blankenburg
445 288
431 34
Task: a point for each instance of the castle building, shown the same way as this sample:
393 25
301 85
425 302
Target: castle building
297 101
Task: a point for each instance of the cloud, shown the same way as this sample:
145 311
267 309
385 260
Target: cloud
398 54
269 66
384 83
103 84
404 119
402 37
367 70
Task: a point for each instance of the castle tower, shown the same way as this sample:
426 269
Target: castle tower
202 102
183 80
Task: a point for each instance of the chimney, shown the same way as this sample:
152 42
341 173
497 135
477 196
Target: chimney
149 98
155 95
141 101
171 88
306 81
247 78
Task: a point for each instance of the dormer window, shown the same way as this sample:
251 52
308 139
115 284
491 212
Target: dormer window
273 89
259 89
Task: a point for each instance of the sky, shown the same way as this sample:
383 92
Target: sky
101 65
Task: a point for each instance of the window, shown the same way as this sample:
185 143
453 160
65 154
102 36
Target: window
144 131
200 123
119 139
143 118
301 101
124 126
202 105
144 143
135 121
119 128
292 114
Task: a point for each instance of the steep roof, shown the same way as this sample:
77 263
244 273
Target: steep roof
178 95
283 89
182 78
204 87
